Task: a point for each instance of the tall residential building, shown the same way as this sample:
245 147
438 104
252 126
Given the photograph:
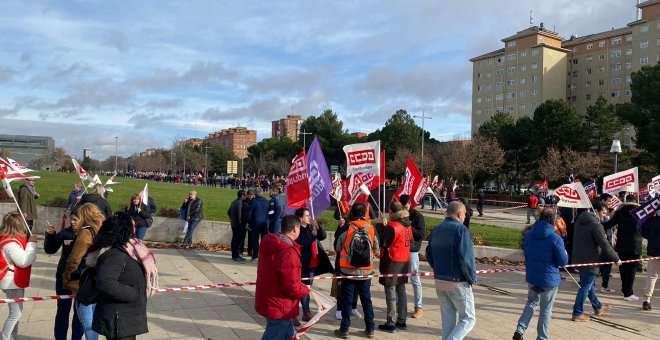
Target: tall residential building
287 127
237 139
537 64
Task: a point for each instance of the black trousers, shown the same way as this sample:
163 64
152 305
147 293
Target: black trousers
237 241
605 271
257 235
628 271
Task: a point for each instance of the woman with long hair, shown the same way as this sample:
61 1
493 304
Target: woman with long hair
18 254
126 276
140 214
86 221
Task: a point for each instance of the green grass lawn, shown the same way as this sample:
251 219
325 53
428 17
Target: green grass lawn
54 186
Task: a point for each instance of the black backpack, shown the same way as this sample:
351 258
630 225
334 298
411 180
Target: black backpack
360 249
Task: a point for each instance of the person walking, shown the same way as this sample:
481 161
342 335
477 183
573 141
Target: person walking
532 206
356 249
628 245
140 213
481 199
17 256
395 256
651 232
342 227
193 208
590 246
279 288
74 196
544 254
610 232
450 254
419 233
274 210
258 220
27 201
237 229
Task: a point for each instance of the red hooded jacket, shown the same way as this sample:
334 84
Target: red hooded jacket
279 288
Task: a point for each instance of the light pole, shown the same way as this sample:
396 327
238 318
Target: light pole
206 163
423 117
305 138
616 148
116 139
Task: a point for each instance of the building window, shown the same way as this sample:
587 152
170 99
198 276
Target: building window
535 79
587 84
628 93
478 112
500 109
511 57
499 72
601 43
510 82
499 59
522 81
644 44
509 108
628 65
511 43
510 95
533 105
523 68
575 73
573 87
478 75
521 94
616 67
589 97
535 52
575 61
616 94
523 54
499 84
489 98
490 62
602 56
535 66
616 41
522 107
629 37
590 58
616 81
601 82
588 71
487 111
488 87
644 28
590 46
615 54
499 96
628 79
478 100
644 60
629 51
534 92
511 69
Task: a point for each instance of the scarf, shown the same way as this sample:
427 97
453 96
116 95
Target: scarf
139 252
31 189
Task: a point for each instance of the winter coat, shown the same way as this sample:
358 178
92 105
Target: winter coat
628 236
234 213
544 254
259 213
52 243
98 201
27 202
651 232
387 264
450 253
193 209
245 213
590 243
279 288
274 213
121 309
17 257
418 229
140 217
73 199
71 274
306 239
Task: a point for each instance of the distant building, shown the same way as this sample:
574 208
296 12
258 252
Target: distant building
237 139
87 153
25 149
194 142
287 127
359 135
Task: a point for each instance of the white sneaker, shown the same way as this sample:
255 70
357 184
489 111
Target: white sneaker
607 290
356 313
338 315
631 298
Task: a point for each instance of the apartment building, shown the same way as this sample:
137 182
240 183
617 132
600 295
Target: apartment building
237 139
287 127
537 64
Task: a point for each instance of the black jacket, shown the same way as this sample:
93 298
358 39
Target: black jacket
53 242
121 309
305 240
651 232
245 213
628 236
140 217
590 243
418 229
234 213
98 201
196 211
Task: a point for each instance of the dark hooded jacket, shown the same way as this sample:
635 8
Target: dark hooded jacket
590 243
628 236
98 201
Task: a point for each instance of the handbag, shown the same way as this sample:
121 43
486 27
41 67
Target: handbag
88 294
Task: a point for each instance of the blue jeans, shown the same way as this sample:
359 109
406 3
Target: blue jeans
348 288
279 330
545 297
140 232
457 301
585 291
189 233
62 315
86 316
305 301
416 281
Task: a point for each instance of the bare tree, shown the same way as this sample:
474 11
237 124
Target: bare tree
470 158
559 165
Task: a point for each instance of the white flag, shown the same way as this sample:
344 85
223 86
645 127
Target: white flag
572 196
17 166
80 171
145 193
627 180
325 305
363 158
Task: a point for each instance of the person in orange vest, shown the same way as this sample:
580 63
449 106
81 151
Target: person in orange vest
17 256
395 256
356 248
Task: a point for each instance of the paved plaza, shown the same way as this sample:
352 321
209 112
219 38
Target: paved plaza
229 313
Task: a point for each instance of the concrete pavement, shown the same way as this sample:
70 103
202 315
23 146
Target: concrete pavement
229 313
493 215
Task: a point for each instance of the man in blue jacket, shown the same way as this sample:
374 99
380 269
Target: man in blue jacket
258 224
544 254
450 254
274 210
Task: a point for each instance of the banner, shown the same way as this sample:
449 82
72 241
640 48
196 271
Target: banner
297 188
364 159
325 305
622 181
654 186
355 188
541 185
336 192
5 182
572 196
413 184
11 173
590 189
614 203
645 211
17 166
79 170
319 179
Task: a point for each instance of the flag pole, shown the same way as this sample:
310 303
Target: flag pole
27 228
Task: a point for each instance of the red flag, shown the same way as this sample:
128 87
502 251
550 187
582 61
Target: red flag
541 185
5 182
414 185
11 173
297 188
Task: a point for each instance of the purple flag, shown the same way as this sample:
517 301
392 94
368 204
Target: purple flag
645 211
320 182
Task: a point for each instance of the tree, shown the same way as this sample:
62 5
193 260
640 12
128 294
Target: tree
331 134
498 122
282 147
643 113
557 165
556 124
602 124
481 155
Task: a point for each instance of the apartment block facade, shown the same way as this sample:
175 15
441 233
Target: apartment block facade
237 139
537 64
287 127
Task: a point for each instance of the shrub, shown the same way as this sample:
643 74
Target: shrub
58 202
169 212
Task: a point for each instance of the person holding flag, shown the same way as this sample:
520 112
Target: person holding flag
140 214
27 200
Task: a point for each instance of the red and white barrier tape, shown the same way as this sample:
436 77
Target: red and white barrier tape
604 263
509 208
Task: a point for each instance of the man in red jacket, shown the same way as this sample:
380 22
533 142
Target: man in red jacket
279 286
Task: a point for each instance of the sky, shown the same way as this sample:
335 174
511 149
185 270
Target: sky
150 72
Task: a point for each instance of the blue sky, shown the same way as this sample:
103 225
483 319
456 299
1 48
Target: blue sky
150 71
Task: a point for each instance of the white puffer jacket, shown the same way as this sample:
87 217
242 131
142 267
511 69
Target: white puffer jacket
15 255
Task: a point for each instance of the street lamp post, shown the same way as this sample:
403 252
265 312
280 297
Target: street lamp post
116 139
616 149
304 133
423 117
206 163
